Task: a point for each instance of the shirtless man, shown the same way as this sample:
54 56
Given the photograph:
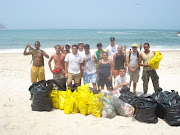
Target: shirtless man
37 70
58 58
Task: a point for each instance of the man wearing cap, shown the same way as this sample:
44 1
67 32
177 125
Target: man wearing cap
81 48
99 52
112 48
89 64
58 57
67 46
133 66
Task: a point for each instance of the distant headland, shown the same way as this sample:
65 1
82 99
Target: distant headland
2 27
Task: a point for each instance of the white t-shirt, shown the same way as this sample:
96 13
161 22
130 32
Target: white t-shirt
120 80
81 52
73 62
90 66
111 51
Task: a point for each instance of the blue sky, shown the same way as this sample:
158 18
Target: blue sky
90 14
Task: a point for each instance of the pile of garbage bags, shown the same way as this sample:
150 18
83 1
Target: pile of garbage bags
49 94
162 104
46 95
168 106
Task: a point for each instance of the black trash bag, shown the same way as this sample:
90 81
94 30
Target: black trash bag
171 108
125 88
146 109
37 86
172 115
127 96
94 90
60 84
159 96
73 87
41 100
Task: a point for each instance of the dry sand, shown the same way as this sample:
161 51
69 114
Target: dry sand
17 118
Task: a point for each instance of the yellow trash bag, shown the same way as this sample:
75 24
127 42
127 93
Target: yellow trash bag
95 104
154 62
82 98
62 96
55 98
70 100
75 105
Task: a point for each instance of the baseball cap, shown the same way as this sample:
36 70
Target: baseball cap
86 46
67 44
80 43
112 38
99 44
134 45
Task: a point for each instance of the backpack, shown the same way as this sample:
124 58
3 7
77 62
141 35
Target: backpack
137 56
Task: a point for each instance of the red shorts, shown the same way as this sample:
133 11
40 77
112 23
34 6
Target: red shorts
57 71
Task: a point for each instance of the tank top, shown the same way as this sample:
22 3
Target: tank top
119 61
146 58
104 70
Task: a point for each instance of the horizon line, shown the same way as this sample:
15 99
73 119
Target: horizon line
90 29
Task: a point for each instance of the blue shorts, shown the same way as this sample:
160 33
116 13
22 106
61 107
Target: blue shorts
90 78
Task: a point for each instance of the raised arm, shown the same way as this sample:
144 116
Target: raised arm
25 50
45 54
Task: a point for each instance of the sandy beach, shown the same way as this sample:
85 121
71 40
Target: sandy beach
16 117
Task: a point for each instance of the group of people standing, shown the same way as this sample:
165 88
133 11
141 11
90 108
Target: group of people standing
112 67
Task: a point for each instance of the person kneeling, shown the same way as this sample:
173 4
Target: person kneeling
122 80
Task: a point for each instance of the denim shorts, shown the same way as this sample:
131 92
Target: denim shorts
90 77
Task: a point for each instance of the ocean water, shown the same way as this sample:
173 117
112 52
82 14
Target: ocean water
14 41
